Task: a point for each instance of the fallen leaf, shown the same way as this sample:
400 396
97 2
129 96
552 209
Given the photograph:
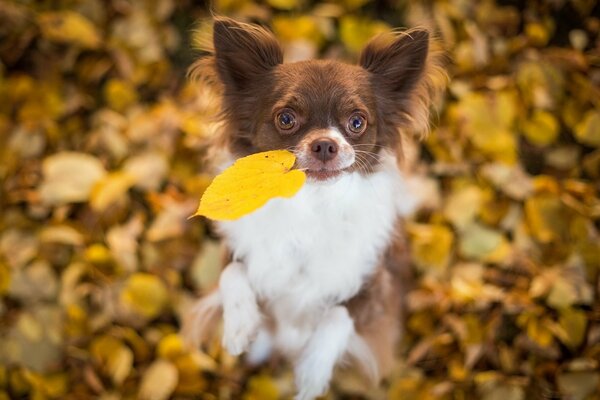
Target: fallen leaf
69 27
114 356
588 130
69 177
462 205
579 385
541 129
110 189
148 169
145 294
159 381
430 245
249 184
261 387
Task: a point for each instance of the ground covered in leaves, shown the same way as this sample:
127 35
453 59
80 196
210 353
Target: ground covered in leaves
101 166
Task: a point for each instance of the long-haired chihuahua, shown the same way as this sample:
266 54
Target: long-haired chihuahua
318 278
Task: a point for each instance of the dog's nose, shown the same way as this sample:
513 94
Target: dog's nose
324 149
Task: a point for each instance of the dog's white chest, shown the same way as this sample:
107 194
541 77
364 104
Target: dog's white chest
316 248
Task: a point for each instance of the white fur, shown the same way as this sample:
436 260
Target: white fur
326 346
301 257
241 316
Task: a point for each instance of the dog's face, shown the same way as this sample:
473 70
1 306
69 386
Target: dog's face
335 117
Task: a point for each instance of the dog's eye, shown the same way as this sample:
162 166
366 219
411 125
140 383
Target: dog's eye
357 124
285 120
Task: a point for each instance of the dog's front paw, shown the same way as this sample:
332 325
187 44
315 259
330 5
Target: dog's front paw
240 326
313 374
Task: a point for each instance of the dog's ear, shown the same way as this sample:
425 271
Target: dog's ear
397 61
243 52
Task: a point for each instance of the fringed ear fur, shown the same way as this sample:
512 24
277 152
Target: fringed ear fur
243 52
407 75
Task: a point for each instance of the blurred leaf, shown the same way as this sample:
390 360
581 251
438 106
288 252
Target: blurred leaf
355 32
170 347
488 119
120 94
206 268
159 381
304 27
261 387
574 324
284 4
545 217
481 243
62 234
69 27
110 189
145 294
579 385
69 177
115 358
541 129
430 245
148 169
588 130
123 243
4 278
462 205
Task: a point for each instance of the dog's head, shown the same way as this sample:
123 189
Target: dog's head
334 116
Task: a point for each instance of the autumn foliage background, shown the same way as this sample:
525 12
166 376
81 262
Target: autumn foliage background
101 144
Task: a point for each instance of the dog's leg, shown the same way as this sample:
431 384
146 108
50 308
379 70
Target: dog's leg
261 348
241 315
326 346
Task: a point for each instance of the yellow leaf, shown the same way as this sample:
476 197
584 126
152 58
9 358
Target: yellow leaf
110 189
249 184
115 357
97 253
120 94
545 217
189 367
541 129
52 385
63 234
462 205
159 381
574 323
303 27
487 119
588 130
284 4
538 332
4 278
145 294
355 32
480 242
430 245
262 387
170 346
69 27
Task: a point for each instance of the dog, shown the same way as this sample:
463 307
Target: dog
318 278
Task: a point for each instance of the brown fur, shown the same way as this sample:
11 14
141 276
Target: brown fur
378 309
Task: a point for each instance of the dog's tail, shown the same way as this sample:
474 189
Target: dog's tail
201 320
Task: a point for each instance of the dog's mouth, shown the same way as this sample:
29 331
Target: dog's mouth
324 174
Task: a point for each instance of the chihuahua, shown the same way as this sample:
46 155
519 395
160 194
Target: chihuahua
318 278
